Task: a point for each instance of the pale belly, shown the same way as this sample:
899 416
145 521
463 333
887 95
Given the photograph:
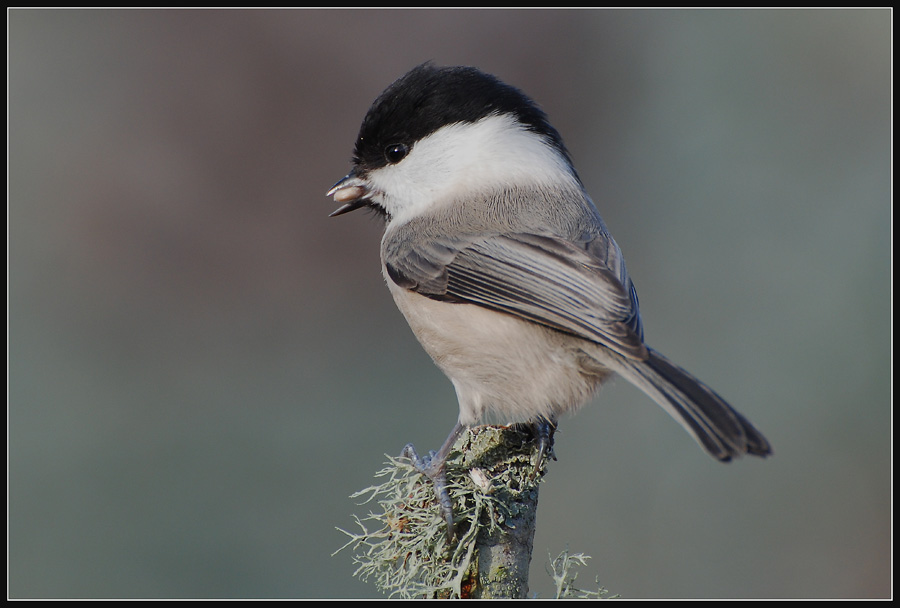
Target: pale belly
502 367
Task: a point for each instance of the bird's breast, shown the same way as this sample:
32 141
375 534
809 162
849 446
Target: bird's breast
502 366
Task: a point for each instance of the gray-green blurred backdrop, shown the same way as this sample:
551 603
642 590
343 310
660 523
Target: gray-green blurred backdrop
203 366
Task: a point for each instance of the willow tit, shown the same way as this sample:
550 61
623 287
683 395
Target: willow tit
502 266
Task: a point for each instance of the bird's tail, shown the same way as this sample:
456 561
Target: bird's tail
719 428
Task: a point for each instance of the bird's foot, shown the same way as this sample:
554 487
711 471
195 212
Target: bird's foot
434 466
543 430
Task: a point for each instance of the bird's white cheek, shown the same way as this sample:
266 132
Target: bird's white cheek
453 162
414 186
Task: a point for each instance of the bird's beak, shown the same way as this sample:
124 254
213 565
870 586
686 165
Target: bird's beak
351 193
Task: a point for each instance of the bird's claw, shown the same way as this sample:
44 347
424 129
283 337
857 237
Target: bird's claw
544 430
434 469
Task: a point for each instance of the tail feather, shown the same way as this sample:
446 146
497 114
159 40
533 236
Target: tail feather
719 428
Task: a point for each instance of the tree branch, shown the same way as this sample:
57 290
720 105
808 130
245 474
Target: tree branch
494 488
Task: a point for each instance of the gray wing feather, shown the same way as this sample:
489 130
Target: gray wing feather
582 289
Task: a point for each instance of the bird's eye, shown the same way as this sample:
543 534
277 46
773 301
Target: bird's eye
394 153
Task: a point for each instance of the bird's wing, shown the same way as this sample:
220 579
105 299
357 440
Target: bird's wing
581 289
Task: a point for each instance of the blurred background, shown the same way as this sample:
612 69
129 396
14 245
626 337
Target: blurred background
203 366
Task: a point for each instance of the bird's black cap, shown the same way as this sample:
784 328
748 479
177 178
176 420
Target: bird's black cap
430 97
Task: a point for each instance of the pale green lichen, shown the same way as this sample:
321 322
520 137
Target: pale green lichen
561 570
402 545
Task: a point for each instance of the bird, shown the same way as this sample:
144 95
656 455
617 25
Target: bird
503 268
